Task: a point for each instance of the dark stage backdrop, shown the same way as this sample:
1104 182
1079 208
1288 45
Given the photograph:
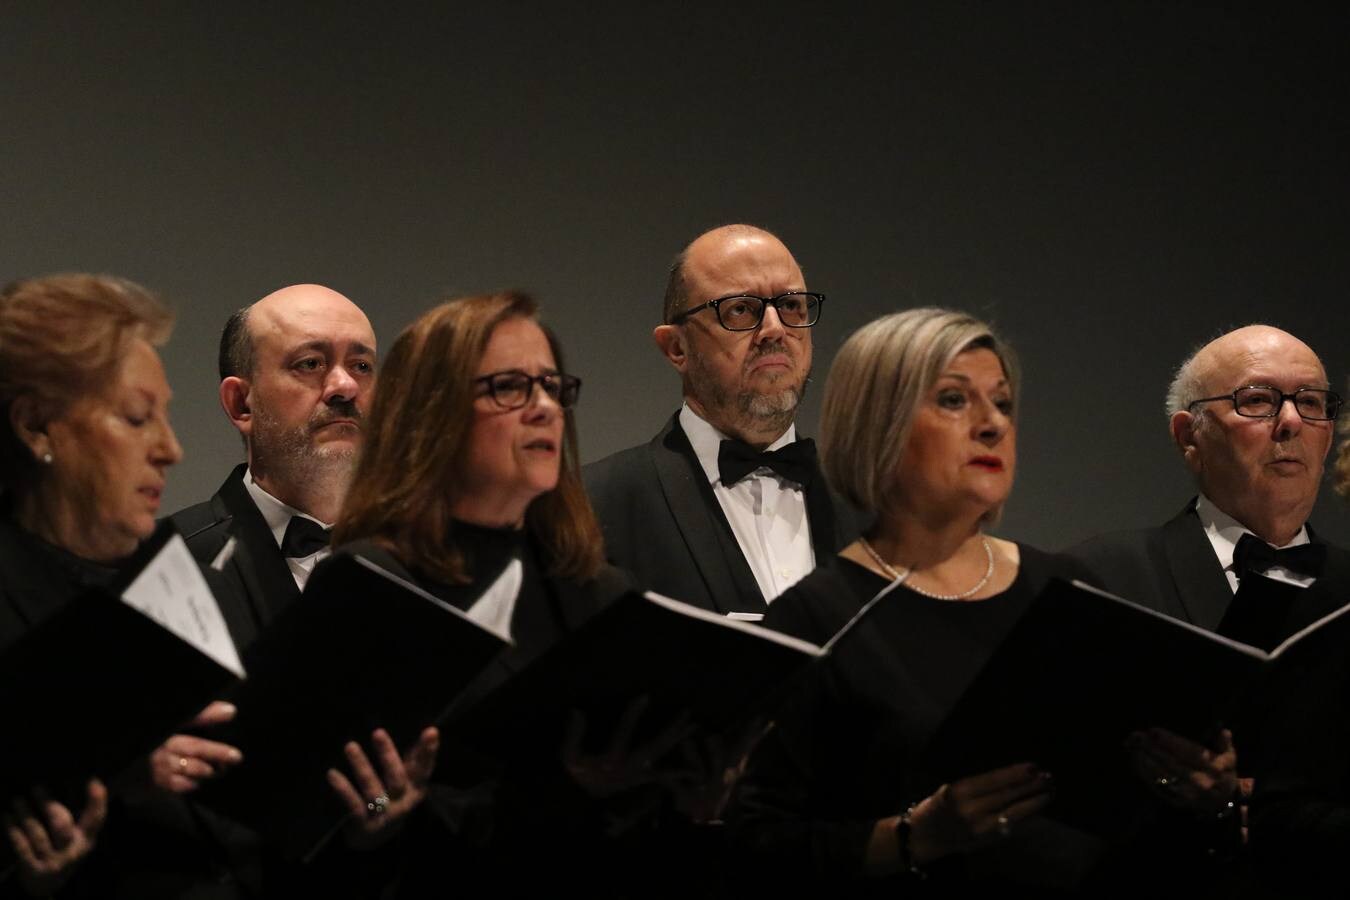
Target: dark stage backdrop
1111 185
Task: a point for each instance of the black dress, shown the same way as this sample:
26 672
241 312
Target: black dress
848 751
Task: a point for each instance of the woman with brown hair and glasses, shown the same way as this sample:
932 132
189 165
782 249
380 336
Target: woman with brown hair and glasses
471 462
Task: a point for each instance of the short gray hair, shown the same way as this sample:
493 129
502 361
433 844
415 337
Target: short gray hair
880 377
1186 385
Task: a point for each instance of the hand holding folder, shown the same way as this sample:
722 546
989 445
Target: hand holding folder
401 783
141 657
48 841
1083 670
184 761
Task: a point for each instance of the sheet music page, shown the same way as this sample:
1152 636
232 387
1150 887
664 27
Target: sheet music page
172 591
494 608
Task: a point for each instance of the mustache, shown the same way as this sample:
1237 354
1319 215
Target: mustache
336 409
767 348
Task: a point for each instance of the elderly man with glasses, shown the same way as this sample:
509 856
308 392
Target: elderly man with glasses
726 508
1253 416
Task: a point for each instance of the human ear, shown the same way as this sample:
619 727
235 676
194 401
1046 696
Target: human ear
234 399
30 426
1183 426
670 340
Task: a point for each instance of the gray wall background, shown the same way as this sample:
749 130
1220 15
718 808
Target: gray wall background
1112 185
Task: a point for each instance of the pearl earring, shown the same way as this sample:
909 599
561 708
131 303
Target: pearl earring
47 459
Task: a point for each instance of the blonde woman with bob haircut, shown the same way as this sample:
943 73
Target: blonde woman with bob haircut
919 429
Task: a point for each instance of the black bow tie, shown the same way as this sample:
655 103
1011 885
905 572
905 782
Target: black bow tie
304 537
1254 555
795 462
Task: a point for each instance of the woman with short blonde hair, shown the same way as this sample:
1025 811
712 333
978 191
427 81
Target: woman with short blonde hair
918 428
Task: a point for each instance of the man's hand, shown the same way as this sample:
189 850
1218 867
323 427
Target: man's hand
621 766
380 803
1184 774
183 762
712 765
49 842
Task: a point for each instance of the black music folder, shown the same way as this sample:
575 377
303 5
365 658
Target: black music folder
720 672
114 672
1082 670
360 649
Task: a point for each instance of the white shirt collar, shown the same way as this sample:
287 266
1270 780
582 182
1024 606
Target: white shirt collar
277 514
1224 531
707 440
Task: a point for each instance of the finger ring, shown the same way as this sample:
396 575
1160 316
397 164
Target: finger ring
377 806
1004 826
182 762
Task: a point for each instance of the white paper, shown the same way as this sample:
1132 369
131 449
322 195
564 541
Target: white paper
495 606
171 591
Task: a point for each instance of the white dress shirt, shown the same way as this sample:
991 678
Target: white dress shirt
767 512
278 516
1224 532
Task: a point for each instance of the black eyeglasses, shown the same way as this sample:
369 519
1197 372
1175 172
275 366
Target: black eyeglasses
512 390
744 312
1259 401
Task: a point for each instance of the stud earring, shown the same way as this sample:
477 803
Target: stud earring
46 459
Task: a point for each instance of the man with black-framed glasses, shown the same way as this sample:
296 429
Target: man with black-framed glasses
1253 416
726 508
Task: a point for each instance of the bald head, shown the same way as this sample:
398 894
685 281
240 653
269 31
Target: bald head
1264 471
745 383
297 371
1236 350
295 303
726 252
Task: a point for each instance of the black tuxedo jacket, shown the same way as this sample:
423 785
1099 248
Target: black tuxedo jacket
1173 569
258 582
663 524
251 588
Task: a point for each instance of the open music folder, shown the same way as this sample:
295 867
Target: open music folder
720 672
1082 670
114 672
360 649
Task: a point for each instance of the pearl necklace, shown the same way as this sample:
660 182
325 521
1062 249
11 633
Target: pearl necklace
903 576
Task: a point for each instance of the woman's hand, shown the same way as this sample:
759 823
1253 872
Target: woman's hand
183 762
1184 774
964 815
49 842
380 803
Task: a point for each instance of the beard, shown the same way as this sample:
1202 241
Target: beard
748 410
288 453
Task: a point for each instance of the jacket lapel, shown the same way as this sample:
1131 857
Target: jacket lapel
257 560
702 524
1202 588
